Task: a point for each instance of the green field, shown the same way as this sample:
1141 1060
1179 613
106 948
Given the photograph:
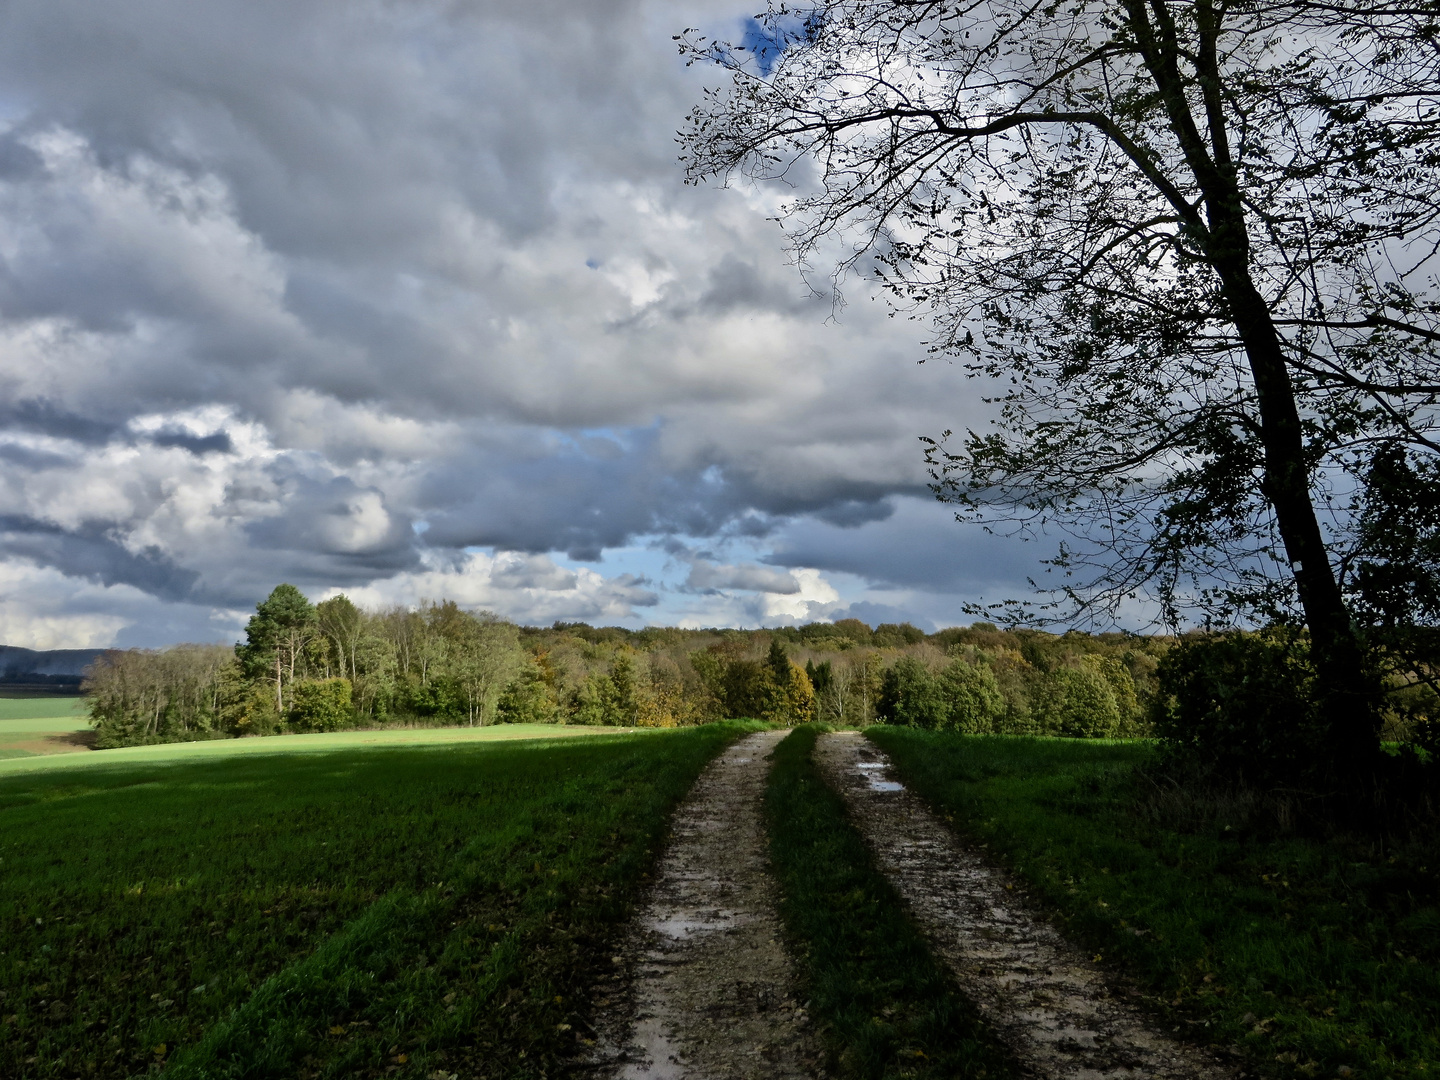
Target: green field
412 903
50 707
1304 955
215 749
341 912
33 726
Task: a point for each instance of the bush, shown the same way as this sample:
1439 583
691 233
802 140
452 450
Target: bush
321 705
972 697
1081 704
528 699
1242 703
910 696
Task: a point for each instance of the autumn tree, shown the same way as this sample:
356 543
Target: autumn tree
1186 246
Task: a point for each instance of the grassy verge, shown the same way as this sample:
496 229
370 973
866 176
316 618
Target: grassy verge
1307 956
883 1005
342 914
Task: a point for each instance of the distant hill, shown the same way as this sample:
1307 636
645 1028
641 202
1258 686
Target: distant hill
50 669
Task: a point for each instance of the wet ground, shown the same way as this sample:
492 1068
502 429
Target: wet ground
711 993
1059 1013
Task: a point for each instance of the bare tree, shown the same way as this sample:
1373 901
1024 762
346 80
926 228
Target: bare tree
1185 244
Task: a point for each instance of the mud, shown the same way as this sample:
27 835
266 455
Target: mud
1060 1014
712 991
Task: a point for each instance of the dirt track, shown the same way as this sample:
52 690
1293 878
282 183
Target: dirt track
1053 1007
713 988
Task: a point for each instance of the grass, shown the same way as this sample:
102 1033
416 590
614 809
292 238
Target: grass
31 726
30 708
883 1005
355 912
1303 955
214 749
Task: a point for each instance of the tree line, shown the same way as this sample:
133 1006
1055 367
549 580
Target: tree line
329 666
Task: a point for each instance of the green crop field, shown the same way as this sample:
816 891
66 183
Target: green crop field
359 910
32 726
70 708
1305 956
295 744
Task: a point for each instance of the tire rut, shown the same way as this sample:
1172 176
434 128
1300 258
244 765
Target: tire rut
713 988
1056 1011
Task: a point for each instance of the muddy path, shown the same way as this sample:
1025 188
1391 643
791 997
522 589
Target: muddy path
1056 1011
712 988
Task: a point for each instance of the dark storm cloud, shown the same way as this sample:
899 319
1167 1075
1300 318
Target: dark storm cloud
92 554
918 546
337 518
216 443
43 416
582 502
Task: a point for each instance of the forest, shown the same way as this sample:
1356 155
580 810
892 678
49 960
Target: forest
333 665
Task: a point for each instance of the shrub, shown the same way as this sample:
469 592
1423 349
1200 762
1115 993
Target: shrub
1243 703
321 705
972 698
910 696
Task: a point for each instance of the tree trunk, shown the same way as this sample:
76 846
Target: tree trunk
1347 705
1347 708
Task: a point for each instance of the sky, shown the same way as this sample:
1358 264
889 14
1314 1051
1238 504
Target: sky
411 301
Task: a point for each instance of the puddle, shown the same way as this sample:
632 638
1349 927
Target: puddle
658 1058
870 768
679 926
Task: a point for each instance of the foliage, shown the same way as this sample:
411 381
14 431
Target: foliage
530 697
439 664
1242 702
882 1003
774 689
143 696
909 696
1072 693
278 641
1081 704
972 696
321 704
282 915
1318 952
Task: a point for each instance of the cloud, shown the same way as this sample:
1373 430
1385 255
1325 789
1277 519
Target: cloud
918 544
288 293
528 589
708 575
